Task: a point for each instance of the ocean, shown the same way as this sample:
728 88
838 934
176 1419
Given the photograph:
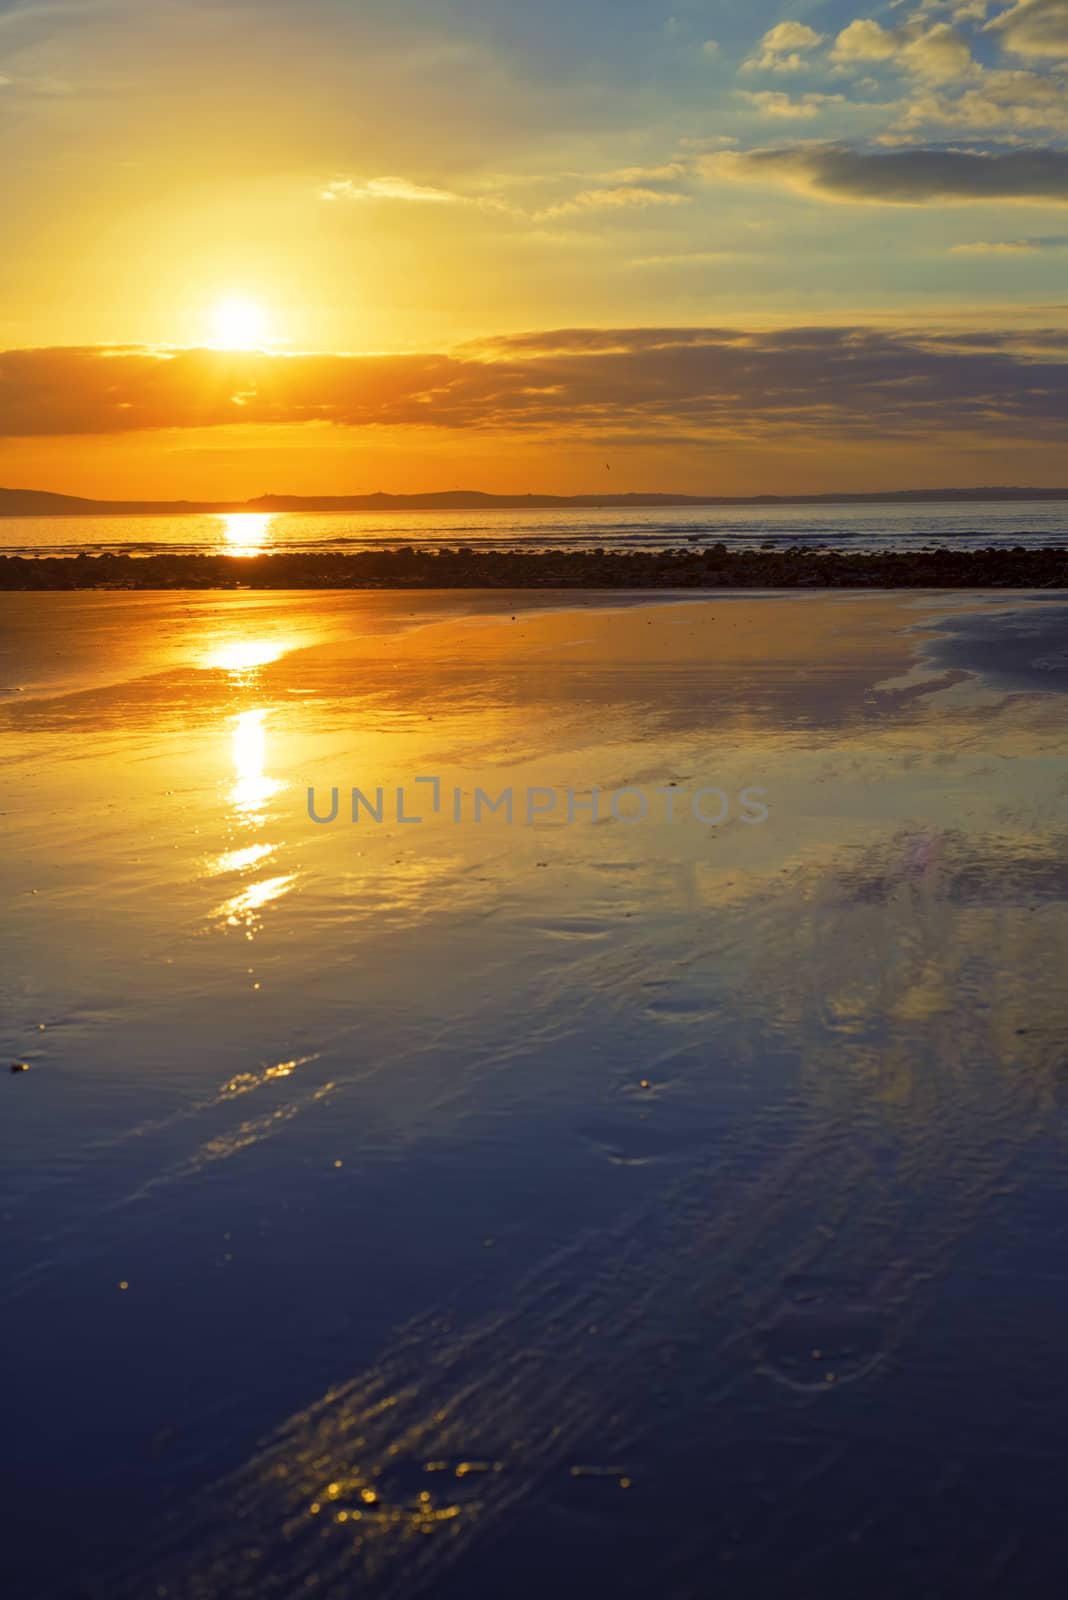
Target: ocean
971 526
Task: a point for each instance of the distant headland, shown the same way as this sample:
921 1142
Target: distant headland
42 503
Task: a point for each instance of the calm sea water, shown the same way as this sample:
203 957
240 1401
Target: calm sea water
456 1211
850 527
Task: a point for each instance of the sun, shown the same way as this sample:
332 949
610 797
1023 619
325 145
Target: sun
240 324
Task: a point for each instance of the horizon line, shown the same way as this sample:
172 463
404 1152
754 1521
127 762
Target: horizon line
45 502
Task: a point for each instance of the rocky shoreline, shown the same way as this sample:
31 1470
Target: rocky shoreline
706 567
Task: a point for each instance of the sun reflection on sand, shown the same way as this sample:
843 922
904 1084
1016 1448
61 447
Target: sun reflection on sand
242 655
252 787
240 860
248 796
245 533
241 909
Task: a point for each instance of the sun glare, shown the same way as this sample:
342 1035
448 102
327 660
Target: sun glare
245 655
252 787
240 324
245 532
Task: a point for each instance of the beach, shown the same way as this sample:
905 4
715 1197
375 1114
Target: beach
653 1185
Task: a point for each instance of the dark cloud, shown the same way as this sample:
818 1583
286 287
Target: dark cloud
902 177
694 383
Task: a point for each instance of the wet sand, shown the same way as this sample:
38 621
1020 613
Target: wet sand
463 1208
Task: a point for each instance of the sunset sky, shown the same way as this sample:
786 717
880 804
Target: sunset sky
483 244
